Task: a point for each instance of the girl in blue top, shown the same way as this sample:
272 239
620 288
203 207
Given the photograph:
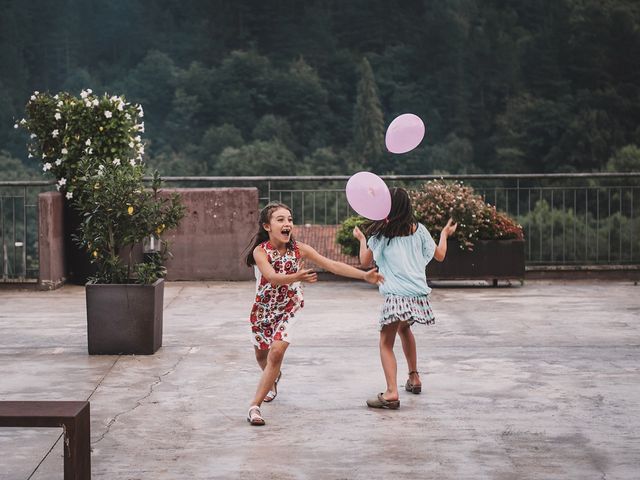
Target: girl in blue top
401 247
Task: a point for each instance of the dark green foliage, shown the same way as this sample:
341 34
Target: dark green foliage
344 236
503 86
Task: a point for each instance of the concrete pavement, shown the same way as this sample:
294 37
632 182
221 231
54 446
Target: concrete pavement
540 381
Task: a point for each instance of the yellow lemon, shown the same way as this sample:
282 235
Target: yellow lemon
101 128
130 210
95 253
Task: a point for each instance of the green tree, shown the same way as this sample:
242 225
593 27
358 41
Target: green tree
368 138
258 158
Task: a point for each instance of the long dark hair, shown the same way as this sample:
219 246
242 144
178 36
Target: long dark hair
399 222
263 235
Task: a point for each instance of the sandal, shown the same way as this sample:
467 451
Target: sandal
381 402
272 394
254 417
410 387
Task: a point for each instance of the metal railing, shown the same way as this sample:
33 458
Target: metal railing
568 219
19 260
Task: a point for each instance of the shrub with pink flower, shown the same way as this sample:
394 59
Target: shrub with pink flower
437 201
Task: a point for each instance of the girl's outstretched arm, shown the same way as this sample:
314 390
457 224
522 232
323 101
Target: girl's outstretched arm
447 231
365 255
339 268
262 262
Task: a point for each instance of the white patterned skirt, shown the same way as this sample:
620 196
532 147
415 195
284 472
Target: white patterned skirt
406 309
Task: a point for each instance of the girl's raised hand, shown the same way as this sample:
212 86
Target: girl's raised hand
358 234
307 275
450 228
374 277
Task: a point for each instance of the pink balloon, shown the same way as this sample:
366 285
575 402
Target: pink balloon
369 196
404 134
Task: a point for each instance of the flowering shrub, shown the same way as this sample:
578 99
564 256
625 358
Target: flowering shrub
434 204
437 201
344 237
92 145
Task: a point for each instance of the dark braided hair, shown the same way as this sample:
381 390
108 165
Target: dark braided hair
263 235
399 222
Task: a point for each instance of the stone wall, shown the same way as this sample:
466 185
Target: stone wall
210 240
208 244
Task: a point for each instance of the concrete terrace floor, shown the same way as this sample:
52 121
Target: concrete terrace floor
540 381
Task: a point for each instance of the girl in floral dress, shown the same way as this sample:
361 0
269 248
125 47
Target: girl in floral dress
277 260
401 248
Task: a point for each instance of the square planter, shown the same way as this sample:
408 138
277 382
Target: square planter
490 260
124 319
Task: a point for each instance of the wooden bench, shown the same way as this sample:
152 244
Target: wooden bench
73 417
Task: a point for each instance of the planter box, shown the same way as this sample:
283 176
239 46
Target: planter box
124 319
490 260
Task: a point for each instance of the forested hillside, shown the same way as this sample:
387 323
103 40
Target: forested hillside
307 87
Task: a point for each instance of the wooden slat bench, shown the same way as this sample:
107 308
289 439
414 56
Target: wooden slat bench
74 419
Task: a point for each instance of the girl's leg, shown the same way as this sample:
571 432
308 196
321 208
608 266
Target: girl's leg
270 371
261 357
389 365
410 352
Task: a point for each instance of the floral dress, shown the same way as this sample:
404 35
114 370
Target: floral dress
276 307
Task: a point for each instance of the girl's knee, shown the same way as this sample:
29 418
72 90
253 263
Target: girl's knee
276 352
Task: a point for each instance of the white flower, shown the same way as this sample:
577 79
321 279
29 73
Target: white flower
33 135
121 106
62 181
84 94
59 161
46 166
57 116
140 111
23 121
33 97
95 102
131 144
88 151
60 103
88 142
127 116
56 96
138 139
15 125
132 162
55 133
140 127
87 104
69 195
108 114
116 162
57 187
36 92
64 151
30 155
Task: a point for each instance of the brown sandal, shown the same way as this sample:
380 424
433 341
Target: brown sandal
380 402
410 387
